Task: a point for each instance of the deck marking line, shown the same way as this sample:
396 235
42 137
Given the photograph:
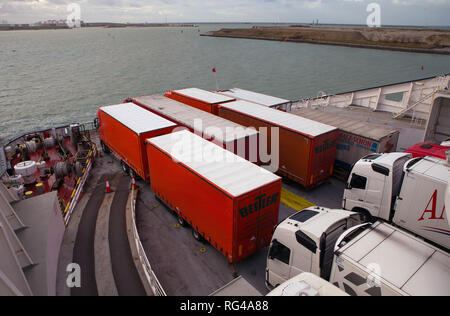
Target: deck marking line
294 201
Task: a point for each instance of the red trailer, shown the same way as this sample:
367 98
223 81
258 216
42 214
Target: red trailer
307 149
428 149
239 139
228 201
123 129
200 99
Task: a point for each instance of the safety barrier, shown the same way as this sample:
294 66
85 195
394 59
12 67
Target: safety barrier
411 98
148 277
67 213
3 162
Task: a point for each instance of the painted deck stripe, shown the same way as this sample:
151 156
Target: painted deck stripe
294 201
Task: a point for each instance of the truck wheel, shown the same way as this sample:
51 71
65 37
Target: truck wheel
125 167
197 235
105 148
181 221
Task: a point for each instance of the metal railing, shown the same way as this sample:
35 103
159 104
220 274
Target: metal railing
67 213
150 276
3 162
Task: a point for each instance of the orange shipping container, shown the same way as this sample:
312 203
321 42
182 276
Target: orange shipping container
230 202
239 139
307 148
124 128
200 99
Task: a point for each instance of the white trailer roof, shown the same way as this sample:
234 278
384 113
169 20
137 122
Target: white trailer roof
137 119
346 124
280 118
436 168
224 169
188 115
203 95
255 97
406 262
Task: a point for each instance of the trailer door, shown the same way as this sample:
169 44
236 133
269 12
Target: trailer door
256 218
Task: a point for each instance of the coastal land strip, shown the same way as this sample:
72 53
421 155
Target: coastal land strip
417 40
18 27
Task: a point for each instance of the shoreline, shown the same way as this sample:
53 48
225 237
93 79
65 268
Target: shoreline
87 25
398 40
380 47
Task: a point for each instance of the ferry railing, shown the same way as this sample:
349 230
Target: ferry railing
3 162
67 213
149 278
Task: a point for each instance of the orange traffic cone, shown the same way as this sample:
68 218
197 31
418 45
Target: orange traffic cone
133 183
108 187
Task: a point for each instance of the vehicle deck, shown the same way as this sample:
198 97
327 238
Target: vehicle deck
185 266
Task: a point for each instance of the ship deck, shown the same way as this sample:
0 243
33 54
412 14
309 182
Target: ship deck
183 266
186 267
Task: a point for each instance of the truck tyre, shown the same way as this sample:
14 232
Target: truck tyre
197 235
181 221
125 167
105 148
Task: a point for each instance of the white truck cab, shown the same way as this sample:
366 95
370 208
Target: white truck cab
374 183
307 284
304 242
362 259
409 192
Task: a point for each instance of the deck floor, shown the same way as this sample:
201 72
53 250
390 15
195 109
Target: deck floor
187 267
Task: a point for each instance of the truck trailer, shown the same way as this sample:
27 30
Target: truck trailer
201 99
123 129
242 141
259 98
228 201
409 192
356 138
362 259
307 148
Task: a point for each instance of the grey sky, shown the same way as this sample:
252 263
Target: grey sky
393 12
